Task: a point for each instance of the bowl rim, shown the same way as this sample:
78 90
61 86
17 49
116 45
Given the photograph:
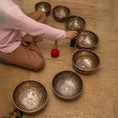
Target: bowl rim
96 37
38 3
37 108
89 70
84 22
60 6
61 96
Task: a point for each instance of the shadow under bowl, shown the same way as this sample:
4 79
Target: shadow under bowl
67 85
43 6
85 61
30 96
75 23
86 39
60 13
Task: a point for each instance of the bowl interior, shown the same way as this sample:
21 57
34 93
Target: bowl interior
67 84
87 39
85 60
30 96
61 12
75 23
44 6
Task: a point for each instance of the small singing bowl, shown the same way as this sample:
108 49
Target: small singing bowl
30 96
86 39
60 13
75 23
85 61
43 6
67 85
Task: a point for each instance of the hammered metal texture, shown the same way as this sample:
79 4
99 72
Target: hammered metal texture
60 13
43 6
85 61
86 39
30 96
67 85
75 23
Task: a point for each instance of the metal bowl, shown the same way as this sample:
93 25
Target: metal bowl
67 85
30 96
60 13
43 6
86 39
85 61
75 23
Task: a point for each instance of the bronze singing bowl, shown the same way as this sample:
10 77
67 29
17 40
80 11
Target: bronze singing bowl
86 39
85 61
75 23
30 96
67 85
60 13
43 6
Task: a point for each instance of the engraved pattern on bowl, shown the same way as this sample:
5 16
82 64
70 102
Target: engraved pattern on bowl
86 39
43 6
85 61
67 85
30 96
75 22
60 13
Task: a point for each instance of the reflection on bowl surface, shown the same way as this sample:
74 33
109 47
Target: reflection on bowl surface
30 96
60 13
67 85
85 61
43 6
86 39
75 23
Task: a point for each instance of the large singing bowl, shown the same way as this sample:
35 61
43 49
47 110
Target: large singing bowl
60 13
75 23
85 61
67 85
43 6
86 39
30 96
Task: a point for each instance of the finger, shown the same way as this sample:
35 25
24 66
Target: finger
75 32
74 35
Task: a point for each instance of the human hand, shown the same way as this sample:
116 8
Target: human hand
71 34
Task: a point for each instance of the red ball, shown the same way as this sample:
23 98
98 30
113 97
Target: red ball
55 53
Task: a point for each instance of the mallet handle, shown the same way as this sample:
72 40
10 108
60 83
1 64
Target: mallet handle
55 44
72 43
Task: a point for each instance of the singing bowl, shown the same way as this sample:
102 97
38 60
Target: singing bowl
43 6
67 85
30 96
75 23
60 13
85 61
86 39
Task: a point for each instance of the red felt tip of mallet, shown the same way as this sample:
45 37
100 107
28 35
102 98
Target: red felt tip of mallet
55 51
